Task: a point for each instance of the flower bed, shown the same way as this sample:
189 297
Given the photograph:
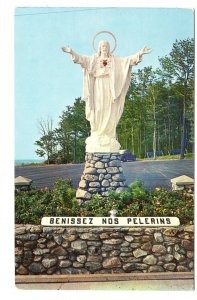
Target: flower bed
31 206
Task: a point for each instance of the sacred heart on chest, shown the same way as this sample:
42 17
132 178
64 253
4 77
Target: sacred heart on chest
104 62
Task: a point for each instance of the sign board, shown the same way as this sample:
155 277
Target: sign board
111 221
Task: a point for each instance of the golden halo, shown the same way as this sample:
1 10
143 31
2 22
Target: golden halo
115 42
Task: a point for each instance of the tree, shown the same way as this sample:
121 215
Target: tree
139 120
72 131
149 93
79 125
47 142
178 67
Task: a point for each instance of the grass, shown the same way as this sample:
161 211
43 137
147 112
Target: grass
31 165
167 157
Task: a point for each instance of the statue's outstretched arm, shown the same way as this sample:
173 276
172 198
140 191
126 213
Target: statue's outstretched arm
145 50
77 58
69 50
137 58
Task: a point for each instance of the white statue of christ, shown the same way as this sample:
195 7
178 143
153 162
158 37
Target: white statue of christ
106 81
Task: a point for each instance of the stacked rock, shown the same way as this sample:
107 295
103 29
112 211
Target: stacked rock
103 250
103 173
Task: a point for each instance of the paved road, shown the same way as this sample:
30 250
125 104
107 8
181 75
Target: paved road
158 173
153 173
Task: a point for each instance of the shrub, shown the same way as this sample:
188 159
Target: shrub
31 206
137 189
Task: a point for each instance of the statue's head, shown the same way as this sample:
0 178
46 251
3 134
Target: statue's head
104 48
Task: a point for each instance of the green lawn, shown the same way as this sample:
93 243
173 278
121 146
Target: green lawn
165 157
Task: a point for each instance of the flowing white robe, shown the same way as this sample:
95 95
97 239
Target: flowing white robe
104 90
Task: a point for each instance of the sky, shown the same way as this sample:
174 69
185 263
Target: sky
46 79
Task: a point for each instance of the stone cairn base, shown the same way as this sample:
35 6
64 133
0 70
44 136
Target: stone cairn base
102 173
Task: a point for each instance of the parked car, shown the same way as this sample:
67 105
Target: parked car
127 156
174 152
150 154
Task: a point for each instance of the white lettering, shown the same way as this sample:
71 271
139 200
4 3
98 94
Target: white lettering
110 221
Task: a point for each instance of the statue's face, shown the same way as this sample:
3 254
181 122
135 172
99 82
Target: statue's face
104 47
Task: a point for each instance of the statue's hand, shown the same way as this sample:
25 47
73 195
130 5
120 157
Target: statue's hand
145 50
67 50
